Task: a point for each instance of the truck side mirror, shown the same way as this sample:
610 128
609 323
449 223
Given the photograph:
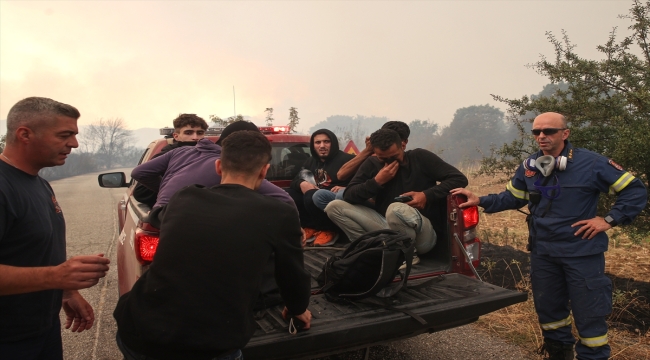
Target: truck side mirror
112 180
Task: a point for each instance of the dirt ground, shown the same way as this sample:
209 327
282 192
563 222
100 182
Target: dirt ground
505 262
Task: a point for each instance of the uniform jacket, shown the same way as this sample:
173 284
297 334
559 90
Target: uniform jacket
587 174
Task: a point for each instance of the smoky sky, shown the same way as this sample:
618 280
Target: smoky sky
149 61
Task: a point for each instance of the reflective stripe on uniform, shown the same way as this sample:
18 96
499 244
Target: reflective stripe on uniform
557 324
621 183
519 194
594 341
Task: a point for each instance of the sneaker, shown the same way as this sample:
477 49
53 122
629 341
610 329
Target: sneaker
326 238
416 260
310 234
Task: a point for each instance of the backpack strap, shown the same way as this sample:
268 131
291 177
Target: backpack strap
392 289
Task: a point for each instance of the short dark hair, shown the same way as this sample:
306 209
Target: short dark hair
245 152
34 112
236 126
192 120
399 127
384 139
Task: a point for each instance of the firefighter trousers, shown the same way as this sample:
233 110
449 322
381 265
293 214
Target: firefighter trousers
573 285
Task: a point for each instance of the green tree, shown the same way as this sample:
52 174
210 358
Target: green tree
293 119
471 134
422 135
3 139
227 121
606 102
269 116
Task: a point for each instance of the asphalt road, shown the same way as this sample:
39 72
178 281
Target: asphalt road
91 219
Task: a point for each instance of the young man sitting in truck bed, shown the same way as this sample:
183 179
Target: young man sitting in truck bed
196 299
190 165
394 172
322 167
188 130
350 168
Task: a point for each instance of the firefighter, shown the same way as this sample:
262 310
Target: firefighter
561 184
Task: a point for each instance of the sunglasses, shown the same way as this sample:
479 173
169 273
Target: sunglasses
547 131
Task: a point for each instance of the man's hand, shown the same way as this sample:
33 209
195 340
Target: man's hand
78 312
589 228
304 317
306 186
472 200
80 272
336 189
387 173
303 238
419 199
369 149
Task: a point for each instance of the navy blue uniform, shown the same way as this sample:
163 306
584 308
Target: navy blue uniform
564 266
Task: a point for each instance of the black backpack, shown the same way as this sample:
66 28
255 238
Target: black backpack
368 266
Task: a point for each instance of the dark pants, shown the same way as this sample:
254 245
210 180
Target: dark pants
132 355
310 215
45 347
577 285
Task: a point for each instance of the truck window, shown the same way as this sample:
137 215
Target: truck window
287 159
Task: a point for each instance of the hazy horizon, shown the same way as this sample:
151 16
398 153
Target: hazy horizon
146 62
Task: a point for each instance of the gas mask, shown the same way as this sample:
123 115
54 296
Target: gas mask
546 164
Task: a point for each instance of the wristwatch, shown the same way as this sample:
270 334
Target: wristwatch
610 220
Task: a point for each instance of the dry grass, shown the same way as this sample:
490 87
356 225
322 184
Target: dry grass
505 262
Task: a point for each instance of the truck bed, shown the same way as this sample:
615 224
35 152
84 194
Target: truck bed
444 301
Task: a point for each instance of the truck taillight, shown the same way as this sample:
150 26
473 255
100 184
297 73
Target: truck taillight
470 217
145 244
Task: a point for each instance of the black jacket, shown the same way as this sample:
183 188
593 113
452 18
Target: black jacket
324 171
422 170
196 300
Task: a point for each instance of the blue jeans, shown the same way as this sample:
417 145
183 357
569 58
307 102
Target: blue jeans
132 355
323 197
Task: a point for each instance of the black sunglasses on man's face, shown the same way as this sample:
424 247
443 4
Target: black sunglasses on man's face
547 131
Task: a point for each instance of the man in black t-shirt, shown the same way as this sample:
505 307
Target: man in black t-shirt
196 300
35 278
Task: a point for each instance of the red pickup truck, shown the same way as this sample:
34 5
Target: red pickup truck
444 289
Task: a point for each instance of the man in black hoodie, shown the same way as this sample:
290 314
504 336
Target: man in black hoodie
319 172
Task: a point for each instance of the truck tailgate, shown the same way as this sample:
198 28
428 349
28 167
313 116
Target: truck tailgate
444 301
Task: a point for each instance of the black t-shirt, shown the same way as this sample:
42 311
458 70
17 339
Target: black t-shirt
196 300
32 233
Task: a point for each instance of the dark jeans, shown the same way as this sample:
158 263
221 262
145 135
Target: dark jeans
132 355
310 215
45 347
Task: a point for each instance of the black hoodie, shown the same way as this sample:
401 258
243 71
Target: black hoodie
324 171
